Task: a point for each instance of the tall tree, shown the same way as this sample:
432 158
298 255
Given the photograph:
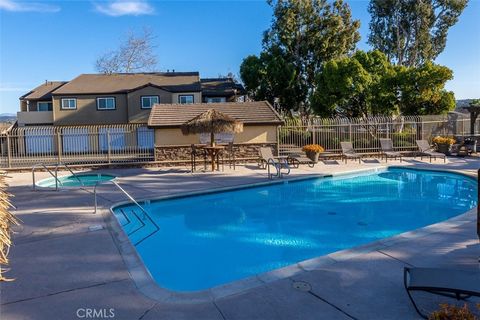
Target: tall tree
411 32
423 89
356 86
304 34
368 84
135 54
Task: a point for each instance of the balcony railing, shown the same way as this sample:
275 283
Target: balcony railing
34 117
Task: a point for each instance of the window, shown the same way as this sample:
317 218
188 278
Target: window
185 99
149 101
106 103
44 106
69 103
216 100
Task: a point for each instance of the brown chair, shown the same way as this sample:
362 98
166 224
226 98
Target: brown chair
348 152
387 150
425 149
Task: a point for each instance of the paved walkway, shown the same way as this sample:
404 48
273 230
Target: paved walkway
64 269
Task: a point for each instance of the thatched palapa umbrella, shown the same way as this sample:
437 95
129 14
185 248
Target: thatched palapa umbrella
7 220
212 121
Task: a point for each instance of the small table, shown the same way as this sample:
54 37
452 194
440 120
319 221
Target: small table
213 152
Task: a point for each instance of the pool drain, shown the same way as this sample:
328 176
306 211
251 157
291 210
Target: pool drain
302 286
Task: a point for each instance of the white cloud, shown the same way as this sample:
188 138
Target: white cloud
125 7
22 6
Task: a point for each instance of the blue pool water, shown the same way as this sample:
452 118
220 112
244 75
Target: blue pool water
208 240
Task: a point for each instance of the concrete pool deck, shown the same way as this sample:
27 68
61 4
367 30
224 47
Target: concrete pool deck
63 267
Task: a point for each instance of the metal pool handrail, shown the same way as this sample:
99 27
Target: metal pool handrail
45 167
68 168
145 213
278 166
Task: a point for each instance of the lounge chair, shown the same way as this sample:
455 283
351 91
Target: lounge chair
459 284
267 158
387 151
348 152
296 159
425 149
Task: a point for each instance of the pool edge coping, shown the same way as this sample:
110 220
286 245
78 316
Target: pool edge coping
147 285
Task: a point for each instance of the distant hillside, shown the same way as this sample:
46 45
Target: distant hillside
8 117
461 104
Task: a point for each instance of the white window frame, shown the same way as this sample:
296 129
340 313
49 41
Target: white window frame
47 102
106 108
63 107
150 98
186 95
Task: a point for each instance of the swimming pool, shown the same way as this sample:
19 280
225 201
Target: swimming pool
79 180
198 242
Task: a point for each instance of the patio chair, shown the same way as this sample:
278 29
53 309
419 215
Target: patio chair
386 146
266 155
230 155
348 152
425 149
296 159
459 284
267 158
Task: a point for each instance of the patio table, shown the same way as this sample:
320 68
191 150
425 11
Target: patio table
213 152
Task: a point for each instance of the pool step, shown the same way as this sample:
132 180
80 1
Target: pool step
137 224
130 221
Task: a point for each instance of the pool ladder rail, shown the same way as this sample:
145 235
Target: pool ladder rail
141 220
278 165
54 175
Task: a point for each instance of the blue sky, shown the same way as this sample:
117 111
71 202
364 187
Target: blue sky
57 40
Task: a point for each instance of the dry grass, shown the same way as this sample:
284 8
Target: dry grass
7 220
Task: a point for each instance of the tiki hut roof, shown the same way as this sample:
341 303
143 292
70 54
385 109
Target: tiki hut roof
250 113
211 121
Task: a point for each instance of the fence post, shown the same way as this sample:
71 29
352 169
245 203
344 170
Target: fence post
278 141
9 152
109 154
59 147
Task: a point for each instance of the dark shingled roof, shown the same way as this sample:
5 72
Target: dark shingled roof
221 87
43 91
250 113
127 82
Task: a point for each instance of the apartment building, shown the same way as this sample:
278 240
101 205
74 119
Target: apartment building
108 99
